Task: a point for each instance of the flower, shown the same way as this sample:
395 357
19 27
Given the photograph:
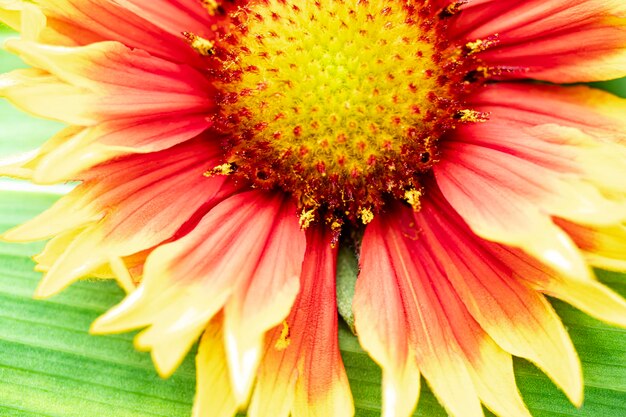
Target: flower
223 149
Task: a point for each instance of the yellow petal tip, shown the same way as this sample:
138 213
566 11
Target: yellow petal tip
243 362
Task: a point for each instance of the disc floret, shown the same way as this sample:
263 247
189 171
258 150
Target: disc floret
339 104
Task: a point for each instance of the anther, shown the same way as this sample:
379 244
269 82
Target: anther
366 215
202 46
306 218
452 9
412 197
214 7
471 116
224 169
284 339
480 45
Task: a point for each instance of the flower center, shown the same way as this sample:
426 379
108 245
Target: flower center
338 103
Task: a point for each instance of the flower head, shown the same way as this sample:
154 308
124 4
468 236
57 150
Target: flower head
223 149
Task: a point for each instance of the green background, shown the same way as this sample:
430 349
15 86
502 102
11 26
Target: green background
51 366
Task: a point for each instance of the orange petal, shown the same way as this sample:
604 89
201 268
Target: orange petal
263 299
122 217
112 80
519 319
414 325
188 281
302 372
588 295
580 41
604 247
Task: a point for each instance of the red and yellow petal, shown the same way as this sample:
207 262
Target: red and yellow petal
463 312
263 299
573 41
111 217
604 247
520 320
383 324
594 112
414 323
302 373
588 295
83 22
186 282
175 16
487 361
495 208
102 81
508 176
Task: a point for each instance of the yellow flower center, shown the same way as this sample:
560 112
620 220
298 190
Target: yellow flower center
338 103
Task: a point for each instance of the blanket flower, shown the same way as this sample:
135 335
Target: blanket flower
226 149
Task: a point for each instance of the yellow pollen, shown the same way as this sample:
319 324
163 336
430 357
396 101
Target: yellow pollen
472 116
306 218
366 215
284 339
199 44
224 169
480 45
213 7
413 198
453 8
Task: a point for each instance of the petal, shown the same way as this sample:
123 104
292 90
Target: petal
507 177
110 79
604 247
588 295
214 396
573 41
75 149
121 217
45 95
174 16
74 22
492 200
519 319
23 17
491 368
595 112
394 282
188 281
105 141
302 372
263 300
383 326
582 138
